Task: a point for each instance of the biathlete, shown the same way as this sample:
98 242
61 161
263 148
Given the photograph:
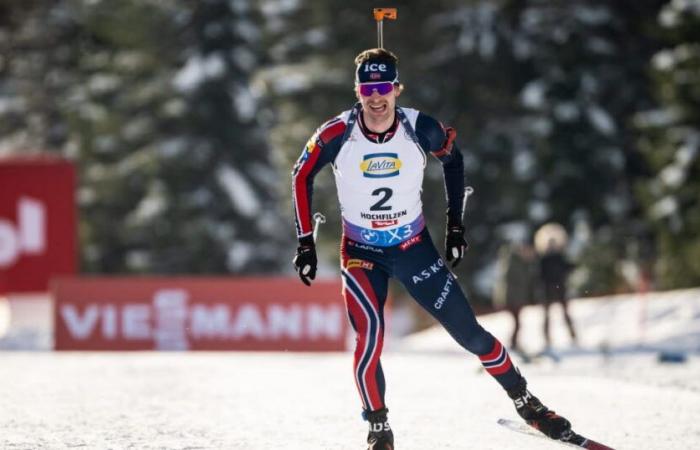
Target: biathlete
378 153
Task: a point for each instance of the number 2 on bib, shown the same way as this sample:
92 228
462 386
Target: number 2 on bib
385 194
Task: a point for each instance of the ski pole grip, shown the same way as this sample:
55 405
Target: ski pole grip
318 220
467 192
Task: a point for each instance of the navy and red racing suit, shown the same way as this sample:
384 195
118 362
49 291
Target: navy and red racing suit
379 181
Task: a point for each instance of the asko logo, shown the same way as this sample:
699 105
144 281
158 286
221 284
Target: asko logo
27 236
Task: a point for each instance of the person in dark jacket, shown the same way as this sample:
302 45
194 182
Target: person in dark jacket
550 241
517 283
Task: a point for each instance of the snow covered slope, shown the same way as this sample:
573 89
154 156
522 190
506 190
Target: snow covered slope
438 396
616 324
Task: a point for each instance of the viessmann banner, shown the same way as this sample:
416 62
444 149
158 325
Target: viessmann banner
198 314
37 222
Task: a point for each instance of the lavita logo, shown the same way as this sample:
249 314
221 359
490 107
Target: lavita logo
27 237
380 165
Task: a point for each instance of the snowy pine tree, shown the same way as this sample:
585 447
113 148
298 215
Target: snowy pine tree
671 144
153 102
588 77
224 191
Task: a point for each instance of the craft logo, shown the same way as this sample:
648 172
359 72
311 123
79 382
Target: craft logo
361 263
384 223
444 293
380 165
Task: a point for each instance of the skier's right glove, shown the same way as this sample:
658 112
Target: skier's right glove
305 261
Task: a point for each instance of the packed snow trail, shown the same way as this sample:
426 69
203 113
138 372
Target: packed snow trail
308 401
438 395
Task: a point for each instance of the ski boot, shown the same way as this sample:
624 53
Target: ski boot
537 415
380 436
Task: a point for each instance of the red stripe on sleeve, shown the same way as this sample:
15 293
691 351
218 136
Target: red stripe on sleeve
332 131
328 132
446 149
301 195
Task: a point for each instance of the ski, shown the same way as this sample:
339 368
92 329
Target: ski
574 440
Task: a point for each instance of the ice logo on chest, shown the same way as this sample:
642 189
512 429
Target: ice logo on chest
380 165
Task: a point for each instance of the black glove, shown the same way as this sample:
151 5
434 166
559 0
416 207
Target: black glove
305 261
455 245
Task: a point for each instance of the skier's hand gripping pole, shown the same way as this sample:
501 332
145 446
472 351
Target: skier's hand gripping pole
455 244
305 260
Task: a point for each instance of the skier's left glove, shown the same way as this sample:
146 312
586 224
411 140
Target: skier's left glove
455 245
305 260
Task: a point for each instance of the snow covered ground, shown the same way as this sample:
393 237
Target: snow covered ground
438 396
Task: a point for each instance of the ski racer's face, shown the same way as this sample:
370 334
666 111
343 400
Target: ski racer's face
378 100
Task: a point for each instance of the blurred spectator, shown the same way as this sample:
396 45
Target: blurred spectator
517 283
550 241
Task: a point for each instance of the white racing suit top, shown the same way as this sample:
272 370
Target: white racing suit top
379 186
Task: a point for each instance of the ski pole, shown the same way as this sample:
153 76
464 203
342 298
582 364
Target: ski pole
379 15
467 192
318 220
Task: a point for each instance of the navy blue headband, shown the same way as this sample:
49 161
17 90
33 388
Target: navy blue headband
374 71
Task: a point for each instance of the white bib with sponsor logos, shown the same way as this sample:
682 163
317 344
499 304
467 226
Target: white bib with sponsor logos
379 186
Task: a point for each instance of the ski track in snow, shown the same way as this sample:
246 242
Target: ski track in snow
308 401
438 395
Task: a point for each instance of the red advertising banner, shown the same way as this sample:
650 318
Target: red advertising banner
133 313
37 222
